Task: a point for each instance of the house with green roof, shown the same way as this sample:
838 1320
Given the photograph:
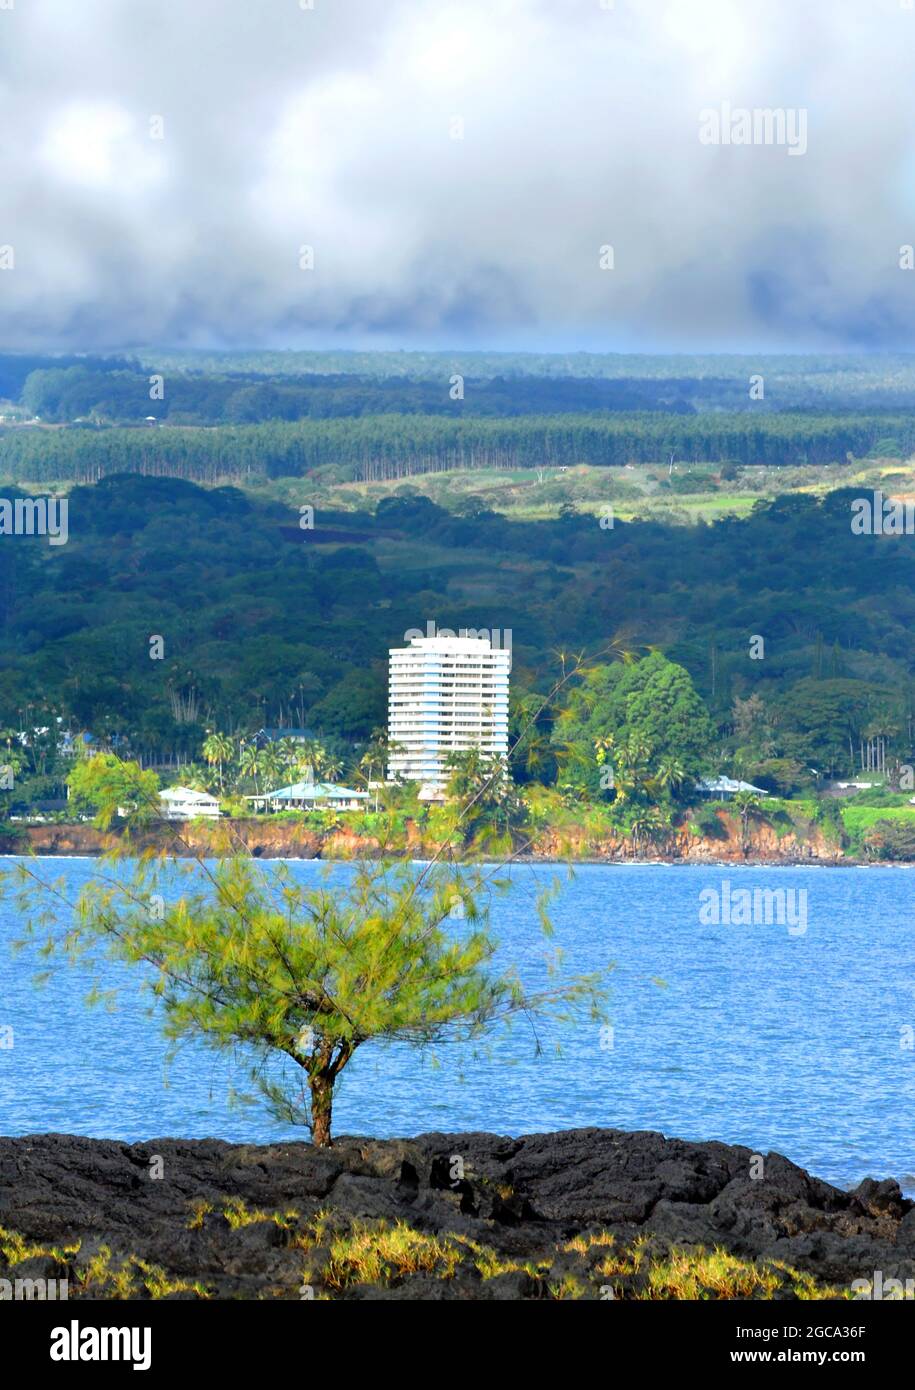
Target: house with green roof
310 796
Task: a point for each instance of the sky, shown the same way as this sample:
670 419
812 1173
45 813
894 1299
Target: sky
420 173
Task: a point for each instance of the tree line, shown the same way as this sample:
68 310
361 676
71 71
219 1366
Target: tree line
375 447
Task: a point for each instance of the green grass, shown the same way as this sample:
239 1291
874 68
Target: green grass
340 1253
381 1253
532 494
104 1275
859 819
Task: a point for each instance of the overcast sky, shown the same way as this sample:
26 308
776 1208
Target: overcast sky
336 128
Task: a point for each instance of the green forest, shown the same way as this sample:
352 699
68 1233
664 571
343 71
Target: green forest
371 447
245 560
233 417
264 623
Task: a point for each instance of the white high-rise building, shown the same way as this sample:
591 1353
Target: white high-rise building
446 694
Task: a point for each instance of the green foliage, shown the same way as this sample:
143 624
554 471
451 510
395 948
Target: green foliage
483 800
387 444
830 714
891 839
879 795
828 817
355 705
267 625
869 828
642 718
690 482
105 785
786 776
708 824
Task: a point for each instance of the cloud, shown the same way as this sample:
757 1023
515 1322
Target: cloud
455 169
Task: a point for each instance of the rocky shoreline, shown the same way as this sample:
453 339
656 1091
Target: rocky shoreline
591 1213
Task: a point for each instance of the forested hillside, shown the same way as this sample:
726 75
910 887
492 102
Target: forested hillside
264 623
370 416
235 388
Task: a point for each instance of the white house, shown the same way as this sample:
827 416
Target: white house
726 787
311 796
182 803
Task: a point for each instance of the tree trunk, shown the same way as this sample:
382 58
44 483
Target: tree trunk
322 1102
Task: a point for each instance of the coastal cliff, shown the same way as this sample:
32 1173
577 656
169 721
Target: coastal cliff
285 839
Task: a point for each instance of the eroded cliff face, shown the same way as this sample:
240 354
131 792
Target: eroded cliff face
261 838
267 839
759 844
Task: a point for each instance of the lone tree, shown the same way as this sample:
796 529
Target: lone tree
240 955
748 806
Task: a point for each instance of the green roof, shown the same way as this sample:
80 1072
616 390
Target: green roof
311 791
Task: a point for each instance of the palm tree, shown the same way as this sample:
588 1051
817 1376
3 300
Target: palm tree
603 746
572 792
377 752
629 761
531 748
375 758
310 759
363 777
290 751
332 767
646 825
571 758
272 764
195 777
217 750
250 764
670 773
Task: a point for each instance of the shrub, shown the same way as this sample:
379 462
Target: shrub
891 840
708 824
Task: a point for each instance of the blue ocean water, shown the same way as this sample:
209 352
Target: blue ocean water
788 1040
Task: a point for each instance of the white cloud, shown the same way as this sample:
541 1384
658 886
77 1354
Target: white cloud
96 144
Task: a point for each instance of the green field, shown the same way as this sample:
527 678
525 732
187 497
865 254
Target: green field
859 819
640 491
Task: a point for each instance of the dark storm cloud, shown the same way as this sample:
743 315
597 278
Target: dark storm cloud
334 128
